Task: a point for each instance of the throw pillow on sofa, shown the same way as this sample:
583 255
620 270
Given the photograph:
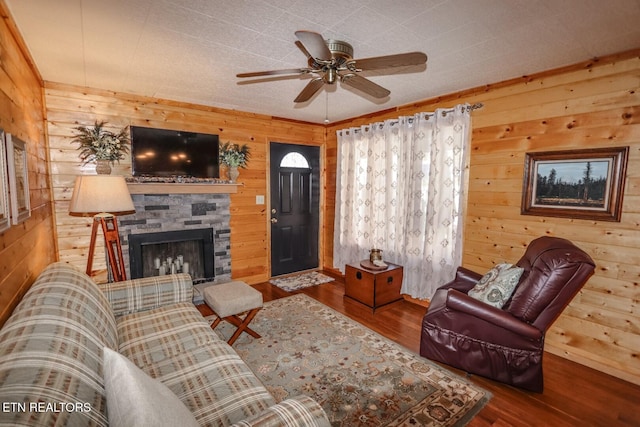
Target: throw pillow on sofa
136 399
495 287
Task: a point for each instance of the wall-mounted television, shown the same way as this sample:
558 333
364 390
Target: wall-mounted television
172 153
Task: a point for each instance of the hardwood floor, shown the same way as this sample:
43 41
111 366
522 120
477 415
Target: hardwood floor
574 395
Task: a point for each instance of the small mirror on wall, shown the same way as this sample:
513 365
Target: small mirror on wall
4 186
18 178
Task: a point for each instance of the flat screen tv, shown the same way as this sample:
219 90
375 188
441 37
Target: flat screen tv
172 153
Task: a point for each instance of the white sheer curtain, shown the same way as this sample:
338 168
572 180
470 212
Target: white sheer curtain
400 189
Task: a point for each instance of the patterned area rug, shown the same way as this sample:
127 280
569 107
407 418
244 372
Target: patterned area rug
301 281
359 377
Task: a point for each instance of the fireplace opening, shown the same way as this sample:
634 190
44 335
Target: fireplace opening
167 252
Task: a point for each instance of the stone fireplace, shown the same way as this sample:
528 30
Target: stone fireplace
168 219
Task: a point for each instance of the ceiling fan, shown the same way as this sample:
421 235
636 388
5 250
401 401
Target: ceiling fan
332 60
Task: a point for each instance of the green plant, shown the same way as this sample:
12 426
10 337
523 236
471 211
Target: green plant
97 143
234 155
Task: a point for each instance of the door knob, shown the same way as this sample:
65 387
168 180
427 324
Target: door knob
274 220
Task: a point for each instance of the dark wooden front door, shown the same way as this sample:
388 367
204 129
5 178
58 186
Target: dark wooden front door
295 207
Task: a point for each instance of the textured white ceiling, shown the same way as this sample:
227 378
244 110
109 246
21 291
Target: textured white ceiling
191 50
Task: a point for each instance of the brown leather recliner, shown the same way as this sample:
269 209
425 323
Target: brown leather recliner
506 344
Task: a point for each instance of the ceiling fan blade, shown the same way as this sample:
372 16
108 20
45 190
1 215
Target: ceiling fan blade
274 72
365 85
309 90
390 61
314 44
267 79
304 50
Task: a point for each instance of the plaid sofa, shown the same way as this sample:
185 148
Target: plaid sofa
51 355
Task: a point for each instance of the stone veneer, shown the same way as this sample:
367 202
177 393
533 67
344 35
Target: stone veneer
170 212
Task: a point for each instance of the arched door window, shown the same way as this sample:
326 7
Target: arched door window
294 160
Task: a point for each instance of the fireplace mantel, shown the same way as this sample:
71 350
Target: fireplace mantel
181 188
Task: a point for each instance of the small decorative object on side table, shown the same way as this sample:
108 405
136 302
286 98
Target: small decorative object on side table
372 285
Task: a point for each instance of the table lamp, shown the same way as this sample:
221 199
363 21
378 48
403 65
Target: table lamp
103 197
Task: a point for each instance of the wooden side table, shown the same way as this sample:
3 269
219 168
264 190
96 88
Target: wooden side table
374 288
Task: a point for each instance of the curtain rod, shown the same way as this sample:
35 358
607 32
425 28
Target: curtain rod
472 107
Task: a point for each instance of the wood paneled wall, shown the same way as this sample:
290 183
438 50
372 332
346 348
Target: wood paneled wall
26 248
70 106
594 104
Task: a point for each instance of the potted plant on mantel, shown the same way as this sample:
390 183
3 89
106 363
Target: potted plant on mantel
101 145
234 156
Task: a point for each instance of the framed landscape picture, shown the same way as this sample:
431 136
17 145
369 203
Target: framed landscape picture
18 178
581 184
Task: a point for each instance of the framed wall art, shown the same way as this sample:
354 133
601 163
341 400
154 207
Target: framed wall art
581 184
18 178
5 217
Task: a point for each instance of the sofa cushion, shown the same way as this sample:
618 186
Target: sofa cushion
129 296
214 383
150 336
51 349
176 345
495 287
135 399
63 287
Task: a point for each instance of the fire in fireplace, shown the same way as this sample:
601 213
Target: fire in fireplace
181 251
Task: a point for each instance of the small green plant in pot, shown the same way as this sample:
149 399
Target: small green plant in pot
101 145
234 156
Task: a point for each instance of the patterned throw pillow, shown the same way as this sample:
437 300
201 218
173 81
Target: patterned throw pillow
495 287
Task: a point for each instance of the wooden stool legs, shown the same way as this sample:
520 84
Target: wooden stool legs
242 325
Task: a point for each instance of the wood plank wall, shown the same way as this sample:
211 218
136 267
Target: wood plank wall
593 104
26 248
71 106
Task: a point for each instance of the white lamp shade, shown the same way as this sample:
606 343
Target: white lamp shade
95 194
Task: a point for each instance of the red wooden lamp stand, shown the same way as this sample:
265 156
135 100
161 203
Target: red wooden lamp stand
112 240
